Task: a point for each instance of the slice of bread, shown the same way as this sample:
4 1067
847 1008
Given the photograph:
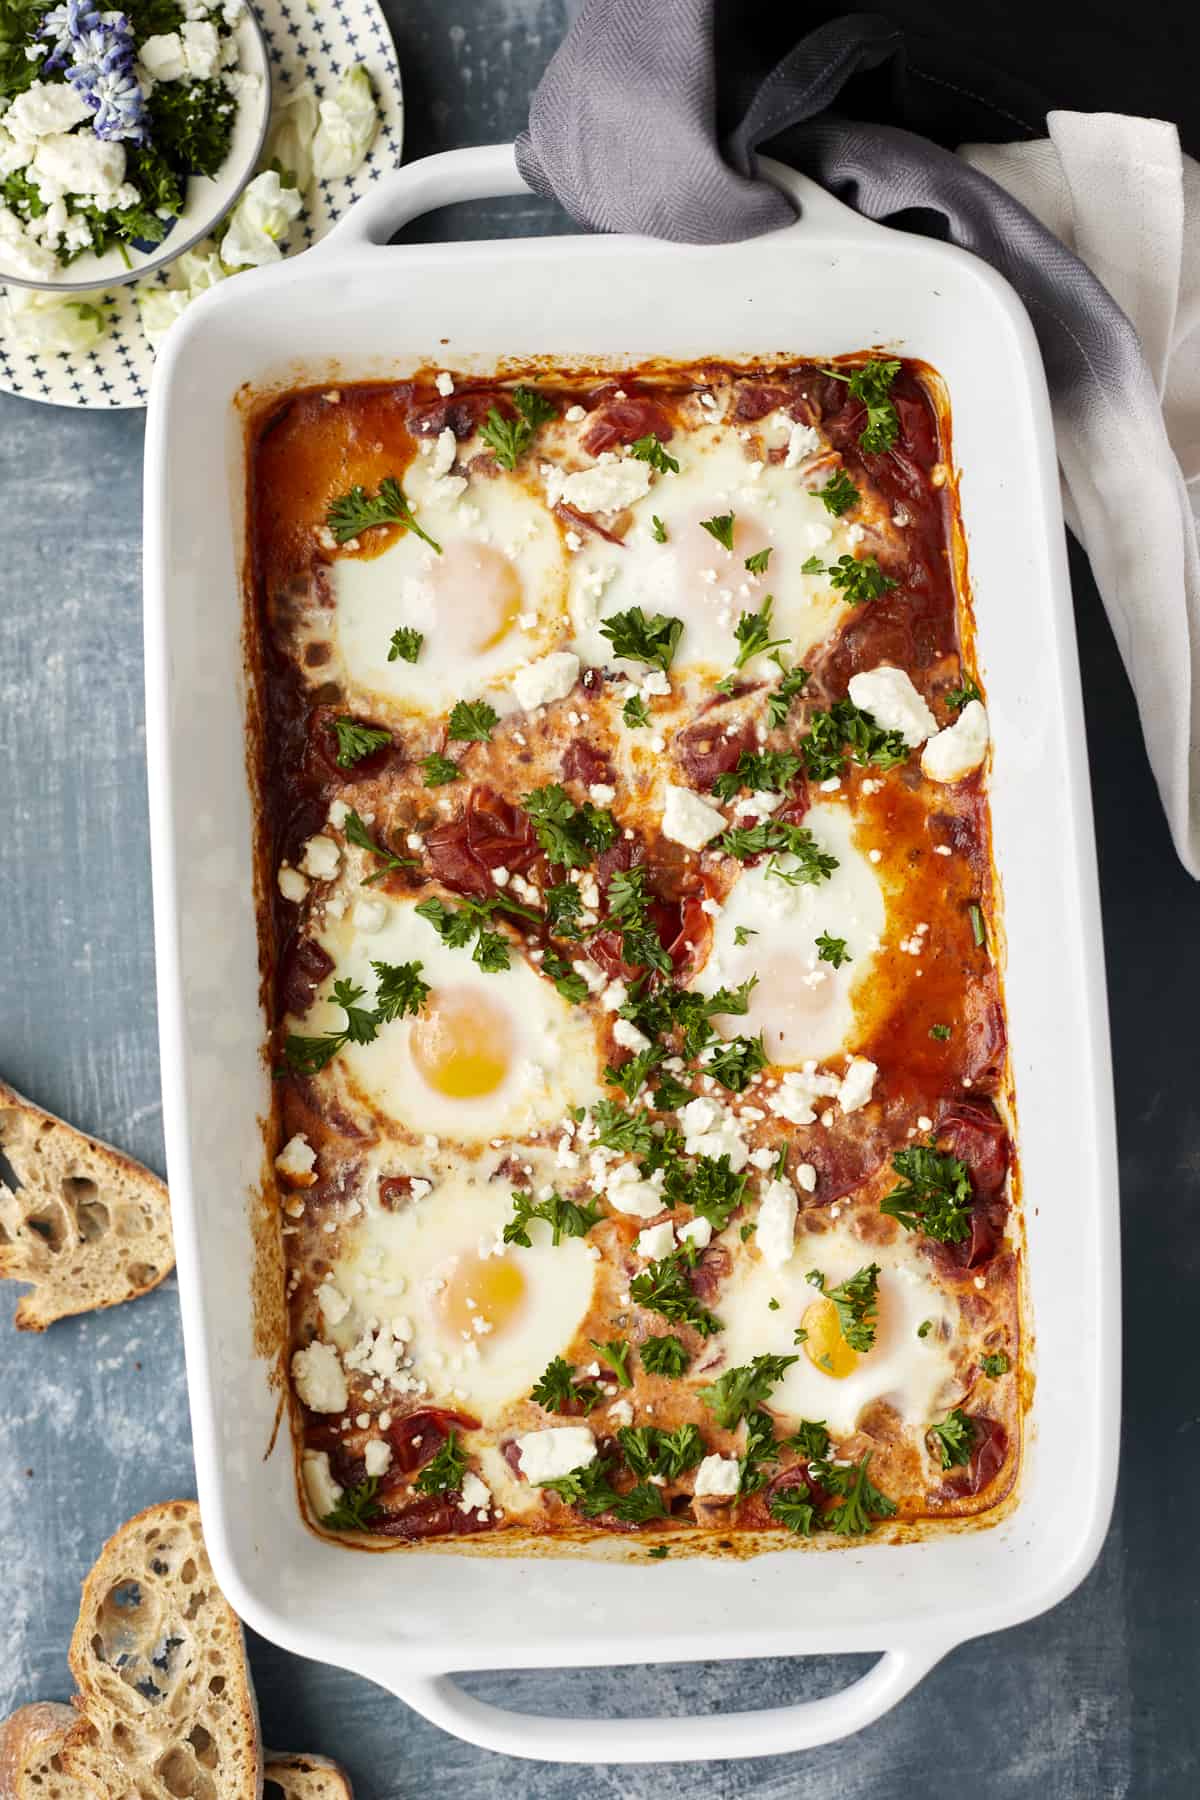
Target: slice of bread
291 1777
167 1704
31 1743
87 1225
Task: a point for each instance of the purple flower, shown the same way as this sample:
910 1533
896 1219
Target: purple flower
119 105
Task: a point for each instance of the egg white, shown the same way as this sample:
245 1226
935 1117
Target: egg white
502 561
693 578
529 1303
914 1374
804 1007
542 1052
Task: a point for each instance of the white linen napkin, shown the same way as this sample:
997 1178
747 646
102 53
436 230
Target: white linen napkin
1121 194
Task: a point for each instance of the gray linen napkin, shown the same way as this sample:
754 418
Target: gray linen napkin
623 133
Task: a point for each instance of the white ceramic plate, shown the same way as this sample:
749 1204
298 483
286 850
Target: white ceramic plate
301 44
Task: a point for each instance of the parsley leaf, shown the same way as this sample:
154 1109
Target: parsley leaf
628 905
757 564
572 836
997 1364
616 1129
832 950
635 712
658 530
811 864
665 1356
401 990
743 933
357 511
760 1447
721 528
959 696
753 633
941 1032
443 1473
934 1197
649 450
616 1354
556 1389
954 1439
440 769
708 1186
871 384
810 1440
635 1072
566 1218
861 1502
472 721
860 578
739 1391
793 1508
856 1300
309 1055
762 771
652 640
648 1450
845 727
508 439
356 1508
568 981
734 1062
588 1487
839 495
354 741
457 926
664 1288
779 702
406 644
355 832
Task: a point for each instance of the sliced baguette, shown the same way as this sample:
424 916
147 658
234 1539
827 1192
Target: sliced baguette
290 1777
167 1704
88 1226
31 1743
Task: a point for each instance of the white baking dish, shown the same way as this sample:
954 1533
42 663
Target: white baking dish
355 308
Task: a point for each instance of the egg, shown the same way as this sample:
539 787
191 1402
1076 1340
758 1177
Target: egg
692 577
480 1319
830 1380
488 1054
494 597
804 1007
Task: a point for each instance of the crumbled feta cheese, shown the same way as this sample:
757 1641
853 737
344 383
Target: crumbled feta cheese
627 1193
292 884
960 748
775 1233
321 858
655 686
46 106
797 1092
711 1131
601 794
620 1413
803 442
369 914
626 1033
547 1455
201 49
377 1457
717 1477
444 453
444 383
322 1490
689 820
698 1232
593 975
297 1160
320 1379
609 487
475 1495
77 163
332 1302
857 1084
550 678
893 702
806 1177
656 1241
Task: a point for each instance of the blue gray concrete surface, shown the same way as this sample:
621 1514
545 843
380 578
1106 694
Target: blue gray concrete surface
1095 1700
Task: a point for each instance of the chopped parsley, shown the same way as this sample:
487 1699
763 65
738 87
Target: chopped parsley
738 1392
457 926
572 836
356 1508
871 384
358 511
762 771
846 728
635 1072
996 1364
658 530
590 1489
635 712
941 1032
954 1439
810 1440
743 933
616 1129
354 741
639 638
628 905
406 644
760 1447
861 1501
924 1328
616 1354
832 950
793 1508
665 1356
566 1218
856 1300
779 702
556 1388
708 1186
309 1055
860 578
440 769
734 1062
508 439
958 697
757 564
720 526
443 1473
648 1450
664 1288
753 633
935 1195
567 980
401 990
978 932
472 721
564 905
839 495
811 864
649 449
355 832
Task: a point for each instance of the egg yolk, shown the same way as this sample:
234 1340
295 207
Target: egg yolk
490 1289
825 1346
478 589
698 554
462 1044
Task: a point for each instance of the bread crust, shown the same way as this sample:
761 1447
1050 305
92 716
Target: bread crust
88 1226
305 1777
31 1739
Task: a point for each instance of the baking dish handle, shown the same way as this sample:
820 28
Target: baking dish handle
489 171
768 1731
